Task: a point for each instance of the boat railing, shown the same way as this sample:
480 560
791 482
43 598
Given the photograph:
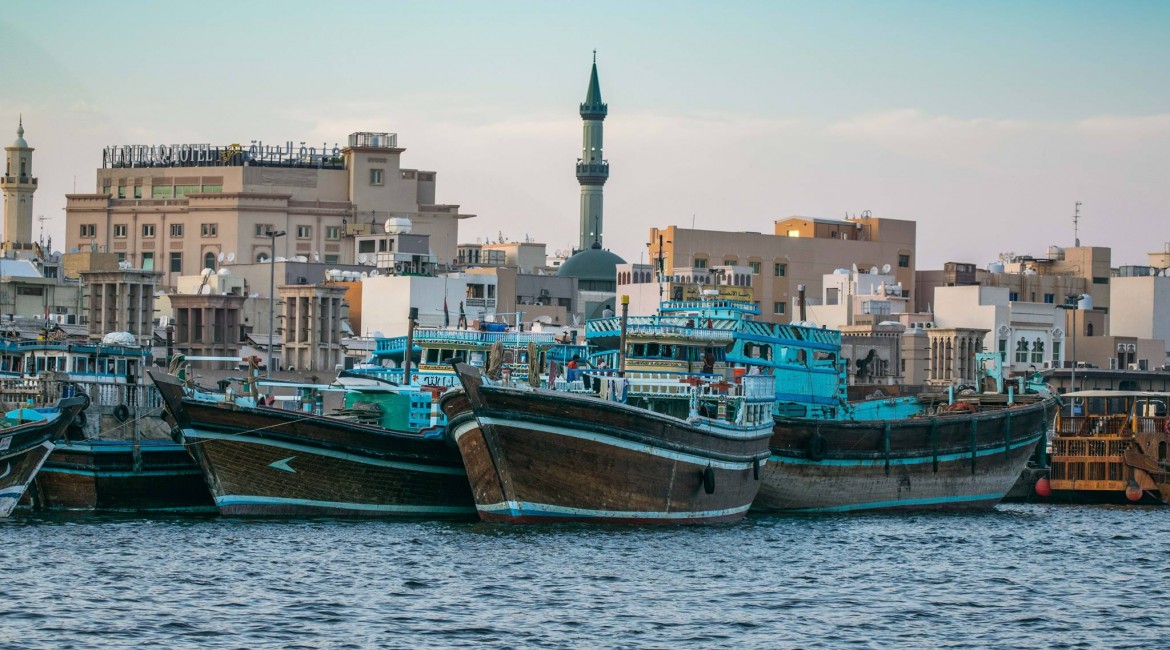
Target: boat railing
1089 447
1097 425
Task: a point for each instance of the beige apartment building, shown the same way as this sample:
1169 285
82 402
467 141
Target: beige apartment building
177 209
800 250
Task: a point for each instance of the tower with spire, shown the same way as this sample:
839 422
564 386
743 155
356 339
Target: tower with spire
18 185
592 167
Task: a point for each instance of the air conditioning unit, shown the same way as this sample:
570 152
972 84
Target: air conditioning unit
1113 365
1133 366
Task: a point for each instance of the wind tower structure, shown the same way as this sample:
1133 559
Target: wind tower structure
18 185
592 167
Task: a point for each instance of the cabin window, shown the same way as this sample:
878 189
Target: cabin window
667 352
432 355
652 349
1162 451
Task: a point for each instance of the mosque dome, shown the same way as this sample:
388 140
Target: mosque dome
592 265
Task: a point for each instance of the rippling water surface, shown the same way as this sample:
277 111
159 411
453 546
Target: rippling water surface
1021 576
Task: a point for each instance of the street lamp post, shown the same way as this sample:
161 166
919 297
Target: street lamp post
1071 305
272 234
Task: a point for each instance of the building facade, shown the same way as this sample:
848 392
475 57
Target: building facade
801 250
177 209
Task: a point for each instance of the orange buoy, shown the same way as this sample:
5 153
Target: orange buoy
1133 492
1043 487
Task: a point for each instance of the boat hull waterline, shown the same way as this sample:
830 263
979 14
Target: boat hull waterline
24 448
946 462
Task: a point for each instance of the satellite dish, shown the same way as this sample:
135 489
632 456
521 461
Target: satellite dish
873 270
375 273
362 258
364 275
316 256
231 257
207 272
1153 271
223 272
206 290
279 259
220 257
886 268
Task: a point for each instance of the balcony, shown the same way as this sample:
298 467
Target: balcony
367 140
23 180
594 173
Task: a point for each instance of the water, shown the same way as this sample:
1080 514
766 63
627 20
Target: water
1022 576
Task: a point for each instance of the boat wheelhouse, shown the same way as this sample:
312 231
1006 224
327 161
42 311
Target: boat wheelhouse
1112 447
97 362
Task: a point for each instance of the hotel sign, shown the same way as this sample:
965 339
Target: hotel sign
256 153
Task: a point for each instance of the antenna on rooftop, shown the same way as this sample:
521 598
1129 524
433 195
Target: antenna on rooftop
1076 224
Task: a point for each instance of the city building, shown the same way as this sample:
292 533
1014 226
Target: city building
801 250
121 301
176 209
312 327
1141 306
207 316
647 289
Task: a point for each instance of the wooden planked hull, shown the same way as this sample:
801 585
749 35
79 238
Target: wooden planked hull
537 456
103 475
274 462
945 462
24 449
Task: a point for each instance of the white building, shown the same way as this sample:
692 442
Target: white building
1141 307
1028 335
853 297
386 301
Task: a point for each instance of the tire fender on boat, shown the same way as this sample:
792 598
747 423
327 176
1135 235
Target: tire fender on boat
817 447
79 420
709 480
121 412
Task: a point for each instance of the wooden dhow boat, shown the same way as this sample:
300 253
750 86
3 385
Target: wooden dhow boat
1110 447
646 450
942 451
27 437
260 460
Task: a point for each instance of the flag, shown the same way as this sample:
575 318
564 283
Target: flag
446 313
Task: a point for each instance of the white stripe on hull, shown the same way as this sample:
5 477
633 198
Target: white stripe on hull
614 441
10 496
529 509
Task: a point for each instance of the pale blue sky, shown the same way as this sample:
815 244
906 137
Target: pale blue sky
736 113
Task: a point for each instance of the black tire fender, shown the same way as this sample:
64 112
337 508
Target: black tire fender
817 447
709 480
121 412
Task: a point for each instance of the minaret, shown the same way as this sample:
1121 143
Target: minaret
18 185
592 168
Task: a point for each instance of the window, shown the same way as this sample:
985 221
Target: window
756 268
332 259
176 230
700 263
30 291
209 229
89 230
148 261
209 260
1022 351
184 190
121 257
261 257
176 262
903 261
121 191
120 230
162 192
304 232
730 262
262 229
148 230
1055 353
779 307
332 232
780 270
375 177
138 191
1050 298
212 189
1037 351
1013 296
105 189
1100 280
1003 350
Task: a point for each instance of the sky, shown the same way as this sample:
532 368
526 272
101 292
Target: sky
983 122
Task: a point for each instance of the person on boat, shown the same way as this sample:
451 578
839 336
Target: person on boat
462 322
607 312
571 368
708 362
